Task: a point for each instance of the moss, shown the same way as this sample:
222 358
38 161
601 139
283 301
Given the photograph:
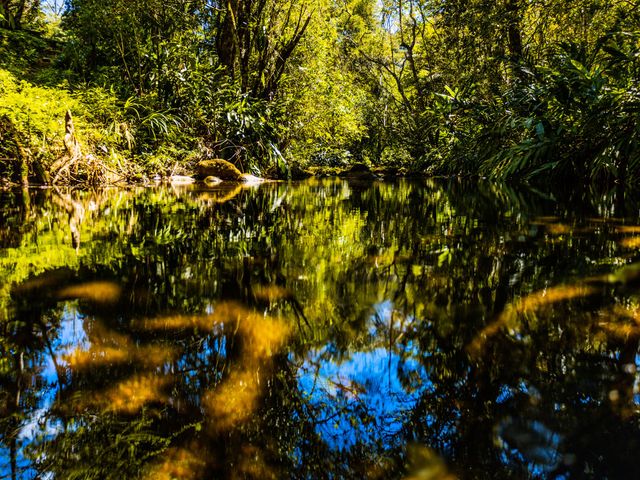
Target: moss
219 168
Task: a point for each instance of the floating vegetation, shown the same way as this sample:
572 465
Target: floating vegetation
630 242
128 396
179 464
623 323
260 337
235 401
272 293
99 292
177 322
628 229
513 313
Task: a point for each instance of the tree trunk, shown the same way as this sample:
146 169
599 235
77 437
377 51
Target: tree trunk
513 30
4 10
17 18
227 38
23 160
70 141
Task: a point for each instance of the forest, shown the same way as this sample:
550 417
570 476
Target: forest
507 89
448 287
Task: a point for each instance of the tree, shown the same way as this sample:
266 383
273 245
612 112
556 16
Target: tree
255 40
13 13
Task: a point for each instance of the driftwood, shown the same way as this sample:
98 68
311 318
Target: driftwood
71 145
70 141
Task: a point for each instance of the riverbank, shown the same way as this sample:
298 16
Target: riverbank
54 135
58 135
96 97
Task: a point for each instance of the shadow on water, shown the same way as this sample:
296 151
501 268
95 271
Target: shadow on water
328 329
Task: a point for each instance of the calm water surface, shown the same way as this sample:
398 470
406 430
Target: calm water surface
424 330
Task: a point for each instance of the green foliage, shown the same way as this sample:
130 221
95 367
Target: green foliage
35 115
108 130
102 448
19 50
16 14
509 89
228 123
325 103
201 91
575 117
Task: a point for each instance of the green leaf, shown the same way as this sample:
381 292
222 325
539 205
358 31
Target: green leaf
453 93
580 67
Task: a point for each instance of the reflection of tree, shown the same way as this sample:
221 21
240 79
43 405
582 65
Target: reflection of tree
521 383
510 361
25 346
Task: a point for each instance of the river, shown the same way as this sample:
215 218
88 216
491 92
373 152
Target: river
427 329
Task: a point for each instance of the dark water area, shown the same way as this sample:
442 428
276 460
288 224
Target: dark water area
328 329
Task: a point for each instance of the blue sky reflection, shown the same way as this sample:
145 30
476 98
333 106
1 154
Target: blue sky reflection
363 398
71 335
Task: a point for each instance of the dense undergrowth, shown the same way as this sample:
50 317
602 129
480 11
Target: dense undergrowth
35 96
511 90
573 117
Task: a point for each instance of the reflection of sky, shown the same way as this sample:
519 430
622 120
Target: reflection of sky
529 442
71 335
360 399
366 396
383 318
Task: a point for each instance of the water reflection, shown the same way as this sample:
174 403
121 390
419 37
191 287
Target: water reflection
327 329
363 399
